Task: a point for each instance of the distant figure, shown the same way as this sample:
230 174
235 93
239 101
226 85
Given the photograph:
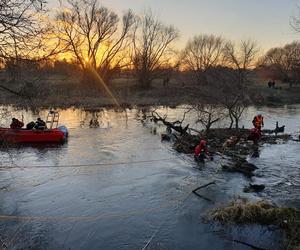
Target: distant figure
40 124
201 152
94 123
30 125
269 84
166 81
16 124
258 122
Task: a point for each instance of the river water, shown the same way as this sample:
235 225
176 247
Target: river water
119 187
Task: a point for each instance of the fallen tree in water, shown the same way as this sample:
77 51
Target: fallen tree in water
232 144
243 212
176 125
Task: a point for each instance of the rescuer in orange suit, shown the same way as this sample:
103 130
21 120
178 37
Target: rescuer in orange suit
258 122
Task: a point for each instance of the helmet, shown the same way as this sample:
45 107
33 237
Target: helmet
202 143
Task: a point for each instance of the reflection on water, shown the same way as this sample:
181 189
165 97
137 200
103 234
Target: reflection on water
139 187
121 138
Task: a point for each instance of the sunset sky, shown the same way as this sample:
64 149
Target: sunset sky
266 21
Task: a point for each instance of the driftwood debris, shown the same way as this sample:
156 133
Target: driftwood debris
176 125
243 167
203 186
244 243
232 143
254 188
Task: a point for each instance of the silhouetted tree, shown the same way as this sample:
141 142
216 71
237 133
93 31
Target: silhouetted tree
151 50
24 38
282 63
91 34
241 57
202 53
208 115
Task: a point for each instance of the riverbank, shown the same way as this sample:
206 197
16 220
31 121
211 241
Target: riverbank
70 93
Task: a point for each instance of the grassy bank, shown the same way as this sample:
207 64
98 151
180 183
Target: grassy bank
263 213
59 91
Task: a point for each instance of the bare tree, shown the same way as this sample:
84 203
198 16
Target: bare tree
92 36
208 115
282 63
151 50
202 53
295 21
18 16
231 95
241 57
271 65
18 22
24 38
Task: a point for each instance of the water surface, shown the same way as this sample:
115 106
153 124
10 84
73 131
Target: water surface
119 187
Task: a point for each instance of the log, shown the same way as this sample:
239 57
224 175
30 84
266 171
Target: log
244 243
203 186
173 125
254 188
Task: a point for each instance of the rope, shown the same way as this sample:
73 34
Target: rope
88 165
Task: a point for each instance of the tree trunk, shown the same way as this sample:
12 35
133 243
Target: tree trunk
231 121
236 123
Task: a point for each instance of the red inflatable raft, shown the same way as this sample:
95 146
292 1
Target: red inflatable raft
31 136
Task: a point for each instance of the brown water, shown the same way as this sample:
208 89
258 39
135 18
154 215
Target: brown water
119 187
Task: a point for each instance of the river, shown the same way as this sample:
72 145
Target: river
120 187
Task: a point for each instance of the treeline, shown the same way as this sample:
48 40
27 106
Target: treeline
94 40
282 63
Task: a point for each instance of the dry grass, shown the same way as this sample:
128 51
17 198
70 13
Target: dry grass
263 213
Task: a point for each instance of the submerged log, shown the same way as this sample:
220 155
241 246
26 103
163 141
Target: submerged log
244 167
203 186
254 188
165 137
